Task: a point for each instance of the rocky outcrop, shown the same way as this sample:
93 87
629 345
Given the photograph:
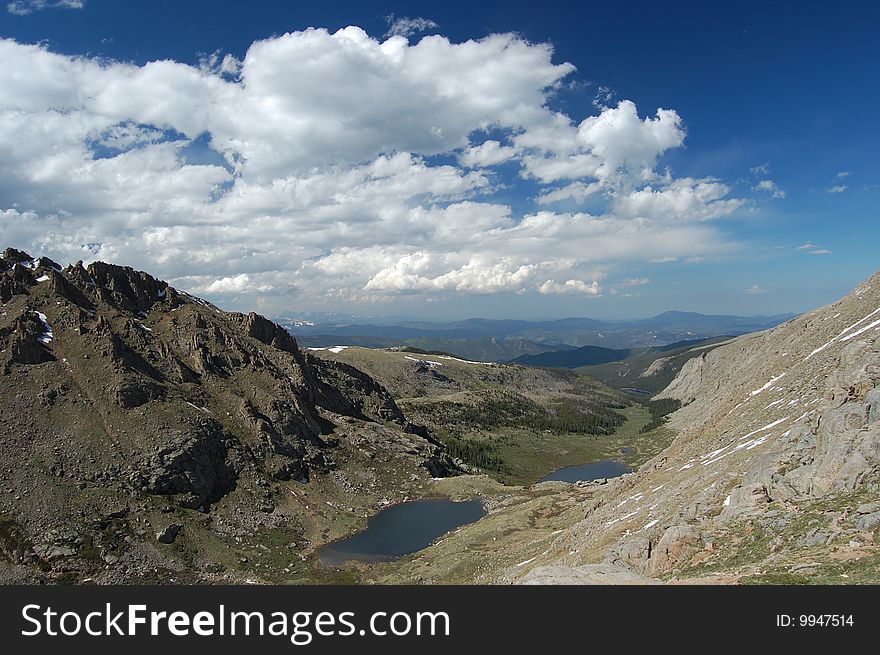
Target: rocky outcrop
197 466
345 390
686 386
265 331
658 366
126 288
26 341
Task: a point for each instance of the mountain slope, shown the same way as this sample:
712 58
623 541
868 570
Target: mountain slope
774 473
130 410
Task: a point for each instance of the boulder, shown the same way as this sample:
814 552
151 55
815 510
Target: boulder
169 533
677 545
745 500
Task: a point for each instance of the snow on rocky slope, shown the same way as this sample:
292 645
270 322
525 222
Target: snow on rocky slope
774 470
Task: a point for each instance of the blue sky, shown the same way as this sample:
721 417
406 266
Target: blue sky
241 173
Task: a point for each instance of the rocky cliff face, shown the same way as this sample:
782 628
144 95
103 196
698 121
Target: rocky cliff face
775 471
121 395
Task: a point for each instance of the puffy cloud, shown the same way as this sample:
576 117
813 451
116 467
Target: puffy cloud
338 166
571 286
488 153
616 147
837 188
241 283
685 199
755 290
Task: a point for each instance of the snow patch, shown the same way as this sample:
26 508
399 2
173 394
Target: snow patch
858 332
766 427
768 385
624 517
47 335
464 361
427 362
844 331
332 349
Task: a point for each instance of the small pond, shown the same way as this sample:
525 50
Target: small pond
402 529
606 468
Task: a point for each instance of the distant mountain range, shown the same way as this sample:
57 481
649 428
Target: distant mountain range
505 340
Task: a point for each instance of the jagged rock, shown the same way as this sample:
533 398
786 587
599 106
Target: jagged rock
262 329
126 288
657 366
287 469
169 533
345 390
24 341
872 406
687 385
441 465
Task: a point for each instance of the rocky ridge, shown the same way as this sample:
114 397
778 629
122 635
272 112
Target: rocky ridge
124 399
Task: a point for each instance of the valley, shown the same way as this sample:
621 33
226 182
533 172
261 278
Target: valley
147 436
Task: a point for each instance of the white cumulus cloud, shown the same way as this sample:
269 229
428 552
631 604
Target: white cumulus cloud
340 166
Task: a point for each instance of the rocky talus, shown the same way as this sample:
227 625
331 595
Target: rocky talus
774 475
128 407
